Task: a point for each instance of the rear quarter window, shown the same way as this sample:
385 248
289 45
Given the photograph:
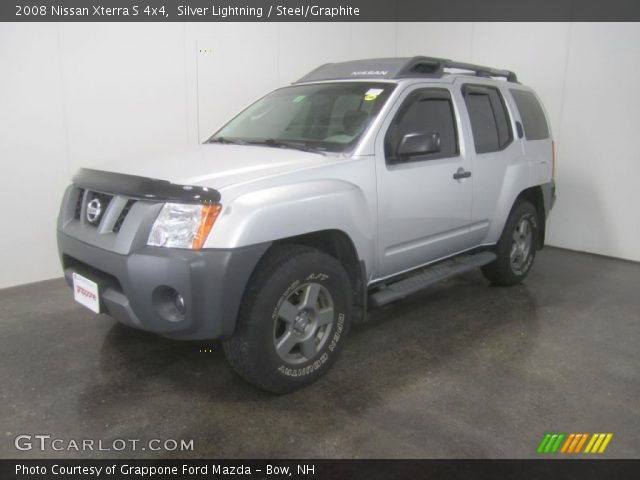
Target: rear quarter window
533 120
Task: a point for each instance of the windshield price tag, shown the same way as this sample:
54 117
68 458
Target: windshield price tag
372 94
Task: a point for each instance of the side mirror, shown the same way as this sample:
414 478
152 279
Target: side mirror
414 144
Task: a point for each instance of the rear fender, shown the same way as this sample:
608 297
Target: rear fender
516 179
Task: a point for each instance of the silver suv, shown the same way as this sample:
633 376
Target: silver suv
361 183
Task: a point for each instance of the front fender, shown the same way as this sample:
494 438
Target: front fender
295 209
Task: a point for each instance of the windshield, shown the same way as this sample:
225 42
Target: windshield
323 117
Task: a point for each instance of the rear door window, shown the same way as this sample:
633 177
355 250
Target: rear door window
489 118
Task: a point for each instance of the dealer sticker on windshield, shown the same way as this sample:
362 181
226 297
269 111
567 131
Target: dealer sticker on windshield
85 292
372 94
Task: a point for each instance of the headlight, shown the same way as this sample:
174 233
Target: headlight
183 226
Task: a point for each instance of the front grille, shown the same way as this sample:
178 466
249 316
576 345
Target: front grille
91 209
78 210
96 206
123 215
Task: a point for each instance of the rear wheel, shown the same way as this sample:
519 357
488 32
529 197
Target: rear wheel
293 320
516 248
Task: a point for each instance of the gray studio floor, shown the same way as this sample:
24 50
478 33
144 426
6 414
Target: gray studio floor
461 370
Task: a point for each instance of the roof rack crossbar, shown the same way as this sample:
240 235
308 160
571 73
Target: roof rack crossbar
436 66
481 71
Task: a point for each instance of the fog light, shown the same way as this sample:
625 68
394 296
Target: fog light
169 304
179 301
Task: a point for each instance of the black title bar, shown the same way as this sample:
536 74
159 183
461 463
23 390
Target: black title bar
317 10
319 469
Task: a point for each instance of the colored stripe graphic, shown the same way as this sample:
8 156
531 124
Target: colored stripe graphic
591 442
578 442
605 443
556 445
543 443
565 447
581 442
550 443
598 443
572 443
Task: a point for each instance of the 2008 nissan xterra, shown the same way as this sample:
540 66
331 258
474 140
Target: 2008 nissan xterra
359 184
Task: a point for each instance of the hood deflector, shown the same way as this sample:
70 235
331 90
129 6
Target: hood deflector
143 187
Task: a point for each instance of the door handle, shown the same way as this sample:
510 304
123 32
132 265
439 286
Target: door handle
461 173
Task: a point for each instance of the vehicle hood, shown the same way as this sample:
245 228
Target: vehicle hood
219 166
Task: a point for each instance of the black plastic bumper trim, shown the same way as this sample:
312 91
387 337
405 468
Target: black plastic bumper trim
212 282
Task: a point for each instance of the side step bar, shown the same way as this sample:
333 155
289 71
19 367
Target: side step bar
428 276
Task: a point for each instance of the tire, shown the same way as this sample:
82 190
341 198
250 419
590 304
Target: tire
519 238
293 321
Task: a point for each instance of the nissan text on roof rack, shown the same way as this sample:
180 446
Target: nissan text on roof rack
358 185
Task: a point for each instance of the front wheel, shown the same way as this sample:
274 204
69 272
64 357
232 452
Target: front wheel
516 248
293 320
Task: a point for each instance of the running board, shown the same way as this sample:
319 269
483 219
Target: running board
428 276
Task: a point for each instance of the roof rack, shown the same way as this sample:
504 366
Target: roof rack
394 68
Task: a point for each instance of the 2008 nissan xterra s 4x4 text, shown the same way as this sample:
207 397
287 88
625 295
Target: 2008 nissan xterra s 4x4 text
361 183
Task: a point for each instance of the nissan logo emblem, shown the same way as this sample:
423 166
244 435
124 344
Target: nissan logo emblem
94 209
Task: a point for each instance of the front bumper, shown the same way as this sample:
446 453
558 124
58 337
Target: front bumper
136 288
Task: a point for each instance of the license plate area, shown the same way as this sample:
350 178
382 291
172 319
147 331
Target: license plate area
86 292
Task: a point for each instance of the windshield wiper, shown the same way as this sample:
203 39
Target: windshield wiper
234 141
269 142
294 145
